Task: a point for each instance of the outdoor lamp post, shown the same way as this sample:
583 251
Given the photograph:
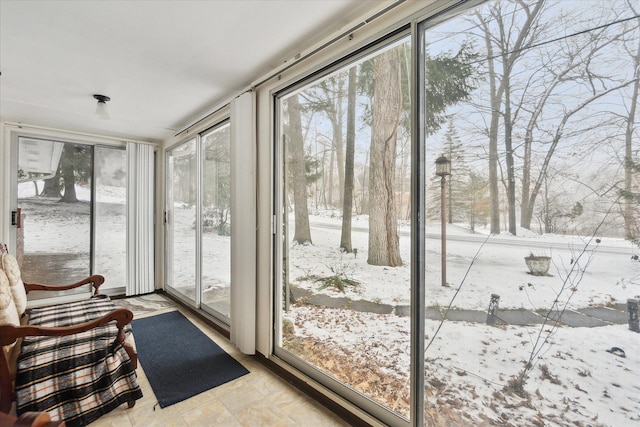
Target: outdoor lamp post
443 168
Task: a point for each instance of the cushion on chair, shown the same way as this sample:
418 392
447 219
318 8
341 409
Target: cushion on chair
12 270
8 312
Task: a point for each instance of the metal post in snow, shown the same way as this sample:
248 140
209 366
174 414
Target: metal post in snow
493 309
632 308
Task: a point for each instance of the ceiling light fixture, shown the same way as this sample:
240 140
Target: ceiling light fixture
101 108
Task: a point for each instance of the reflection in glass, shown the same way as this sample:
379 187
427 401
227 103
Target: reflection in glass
111 216
181 219
216 217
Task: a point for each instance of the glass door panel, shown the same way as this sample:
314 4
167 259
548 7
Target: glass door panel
54 196
345 284
543 173
110 213
182 175
216 216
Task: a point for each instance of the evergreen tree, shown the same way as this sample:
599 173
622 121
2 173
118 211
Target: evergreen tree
463 188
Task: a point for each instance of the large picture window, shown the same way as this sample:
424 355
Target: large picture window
525 147
540 212
346 235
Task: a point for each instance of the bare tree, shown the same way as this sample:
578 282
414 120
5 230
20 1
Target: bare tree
508 43
557 136
563 63
327 98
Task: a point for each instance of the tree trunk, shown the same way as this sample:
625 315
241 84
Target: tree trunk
347 205
384 248
302 233
67 171
338 144
52 186
330 183
449 199
629 221
509 55
508 145
494 194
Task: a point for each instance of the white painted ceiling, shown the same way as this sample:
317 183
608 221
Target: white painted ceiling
163 63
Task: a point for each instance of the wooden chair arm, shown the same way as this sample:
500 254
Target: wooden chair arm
96 280
122 317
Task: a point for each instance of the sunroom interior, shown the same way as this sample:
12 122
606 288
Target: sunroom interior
413 212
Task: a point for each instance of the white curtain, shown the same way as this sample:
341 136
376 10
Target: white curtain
243 223
140 224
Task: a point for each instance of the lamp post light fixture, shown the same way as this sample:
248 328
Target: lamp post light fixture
443 169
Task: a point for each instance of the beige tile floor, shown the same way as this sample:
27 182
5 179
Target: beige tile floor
260 398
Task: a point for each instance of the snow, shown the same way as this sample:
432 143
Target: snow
574 380
610 275
594 387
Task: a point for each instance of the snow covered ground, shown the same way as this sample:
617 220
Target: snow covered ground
469 366
610 275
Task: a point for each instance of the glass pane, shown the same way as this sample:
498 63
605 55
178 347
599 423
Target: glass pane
535 105
181 217
54 195
111 216
216 216
347 234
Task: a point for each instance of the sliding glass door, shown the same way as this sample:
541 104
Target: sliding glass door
198 215
70 216
487 272
532 238
216 220
180 217
344 196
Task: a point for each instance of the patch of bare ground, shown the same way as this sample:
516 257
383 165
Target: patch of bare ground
447 403
444 406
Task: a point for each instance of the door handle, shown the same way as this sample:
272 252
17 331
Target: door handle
16 218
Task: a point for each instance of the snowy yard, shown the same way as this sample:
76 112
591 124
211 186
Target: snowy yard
574 380
469 366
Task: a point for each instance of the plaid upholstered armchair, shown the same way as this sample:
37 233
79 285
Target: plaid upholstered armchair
75 361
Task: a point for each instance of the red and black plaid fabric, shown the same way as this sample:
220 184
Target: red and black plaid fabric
76 378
